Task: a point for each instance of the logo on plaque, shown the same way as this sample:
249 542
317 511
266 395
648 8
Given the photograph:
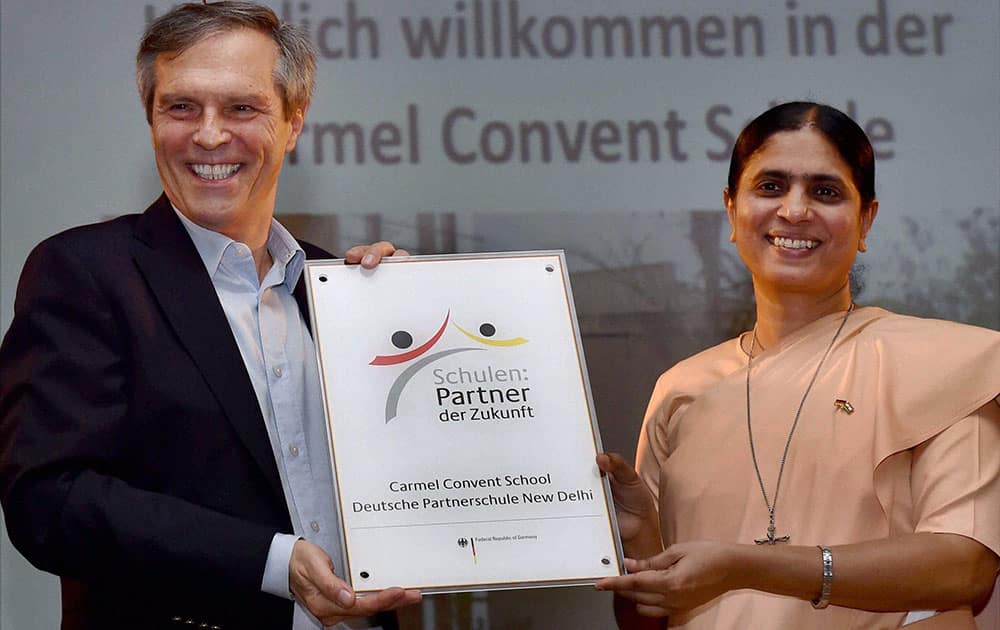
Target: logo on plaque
420 358
465 542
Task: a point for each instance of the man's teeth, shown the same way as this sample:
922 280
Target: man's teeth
214 171
794 243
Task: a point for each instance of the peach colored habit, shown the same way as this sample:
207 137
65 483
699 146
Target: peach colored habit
919 453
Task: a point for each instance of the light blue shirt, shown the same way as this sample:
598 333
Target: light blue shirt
280 358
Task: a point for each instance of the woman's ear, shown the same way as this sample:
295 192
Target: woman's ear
730 212
867 218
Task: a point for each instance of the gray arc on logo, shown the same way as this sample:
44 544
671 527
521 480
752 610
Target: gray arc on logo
392 400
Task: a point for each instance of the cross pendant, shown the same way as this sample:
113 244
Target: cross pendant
771 539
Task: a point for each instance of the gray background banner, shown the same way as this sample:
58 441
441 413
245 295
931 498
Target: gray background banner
600 128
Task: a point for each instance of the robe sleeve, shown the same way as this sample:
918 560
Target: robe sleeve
651 452
675 390
955 479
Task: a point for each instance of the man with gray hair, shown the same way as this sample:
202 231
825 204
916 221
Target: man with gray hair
162 439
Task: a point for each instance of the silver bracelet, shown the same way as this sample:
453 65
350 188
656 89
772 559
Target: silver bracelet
824 594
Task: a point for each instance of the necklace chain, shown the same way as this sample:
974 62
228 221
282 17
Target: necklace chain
771 539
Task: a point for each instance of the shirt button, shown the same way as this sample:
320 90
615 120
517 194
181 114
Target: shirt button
277 372
294 450
314 526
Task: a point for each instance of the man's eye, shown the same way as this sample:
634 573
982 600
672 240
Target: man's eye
243 109
180 107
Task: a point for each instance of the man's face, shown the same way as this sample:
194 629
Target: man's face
220 134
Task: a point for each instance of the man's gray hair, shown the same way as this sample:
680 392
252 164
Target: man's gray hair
188 24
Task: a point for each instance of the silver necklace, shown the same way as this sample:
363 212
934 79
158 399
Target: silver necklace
771 538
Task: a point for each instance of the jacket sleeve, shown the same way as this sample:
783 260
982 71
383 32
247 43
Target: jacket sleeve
64 437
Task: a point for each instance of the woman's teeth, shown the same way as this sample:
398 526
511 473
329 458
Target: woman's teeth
794 243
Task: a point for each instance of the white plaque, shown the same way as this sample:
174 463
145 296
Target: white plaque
462 429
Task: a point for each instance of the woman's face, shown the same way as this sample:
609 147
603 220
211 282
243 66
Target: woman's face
796 215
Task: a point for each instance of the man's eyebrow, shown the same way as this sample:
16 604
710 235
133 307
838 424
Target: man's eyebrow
250 96
170 96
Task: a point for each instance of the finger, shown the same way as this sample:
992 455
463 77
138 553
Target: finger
332 613
642 582
328 593
389 599
369 255
652 611
646 599
310 571
369 604
375 252
604 462
619 583
354 255
639 597
400 253
615 465
663 560
411 596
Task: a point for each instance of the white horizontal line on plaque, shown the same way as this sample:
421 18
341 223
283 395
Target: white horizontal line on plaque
506 520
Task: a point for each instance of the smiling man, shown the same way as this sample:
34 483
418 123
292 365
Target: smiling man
221 131
162 442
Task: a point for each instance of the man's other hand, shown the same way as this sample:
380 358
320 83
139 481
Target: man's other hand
330 599
371 255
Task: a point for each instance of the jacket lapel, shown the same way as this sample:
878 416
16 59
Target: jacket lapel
302 300
177 277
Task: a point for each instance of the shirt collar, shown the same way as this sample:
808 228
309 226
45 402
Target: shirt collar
286 252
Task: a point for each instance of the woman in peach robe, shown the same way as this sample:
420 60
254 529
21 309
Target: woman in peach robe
875 436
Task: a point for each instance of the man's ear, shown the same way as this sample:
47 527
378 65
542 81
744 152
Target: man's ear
297 121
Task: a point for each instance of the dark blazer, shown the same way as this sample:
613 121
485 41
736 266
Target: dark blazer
133 454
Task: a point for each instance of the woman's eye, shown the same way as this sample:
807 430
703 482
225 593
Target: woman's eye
769 187
826 191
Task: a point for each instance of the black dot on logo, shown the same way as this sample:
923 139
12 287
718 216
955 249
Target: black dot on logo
364 575
402 339
605 561
322 278
487 330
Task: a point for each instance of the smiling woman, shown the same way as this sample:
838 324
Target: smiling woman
816 459
799 212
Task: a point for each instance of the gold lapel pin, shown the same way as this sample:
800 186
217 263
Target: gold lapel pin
844 405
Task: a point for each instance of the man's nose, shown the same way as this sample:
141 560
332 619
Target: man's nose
211 131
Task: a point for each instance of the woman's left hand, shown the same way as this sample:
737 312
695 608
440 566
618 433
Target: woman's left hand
680 578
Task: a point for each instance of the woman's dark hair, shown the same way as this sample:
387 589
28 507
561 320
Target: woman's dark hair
849 139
